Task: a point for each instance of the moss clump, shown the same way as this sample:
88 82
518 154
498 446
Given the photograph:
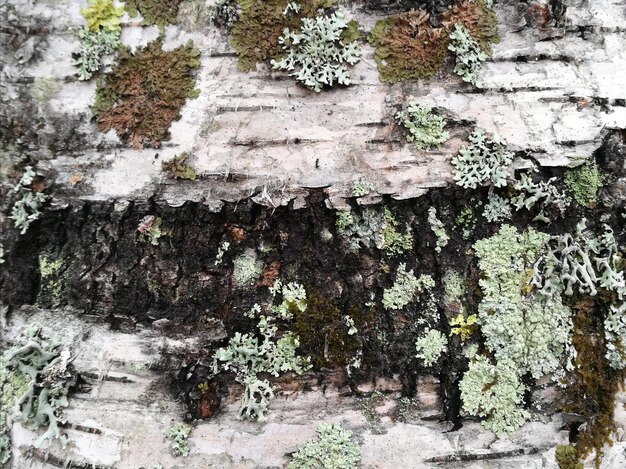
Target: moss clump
255 35
478 18
178 167
158 12
408 47
584 182
591 388
566 457
145 91
324 333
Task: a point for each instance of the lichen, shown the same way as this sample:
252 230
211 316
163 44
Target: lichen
179 434
438 228
246 268
248 356
178 167
483 162
149 230
495 392
463 327
543 193
405 288
584 182
145 92
469 56
394 242
361 188
497 209
157 12
430 346
52 278
223 13
255 35
333 449
93 47
28 207
318 53
425 128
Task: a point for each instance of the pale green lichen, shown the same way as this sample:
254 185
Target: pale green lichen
223 248
494 391
453 287
438 228
430 346
543 193
483 162
425 128
35 377
179 434
27 209
469 56
94 45
246 268
333 449
52 279
361 187
497 209
373 228
529 329
248 356
317 53
405 288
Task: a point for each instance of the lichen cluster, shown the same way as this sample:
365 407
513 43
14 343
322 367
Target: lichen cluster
157 12
145 92
27 207
333 449
248 356
318 53
425 129
35 379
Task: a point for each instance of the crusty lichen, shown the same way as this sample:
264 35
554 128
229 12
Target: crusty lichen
405 288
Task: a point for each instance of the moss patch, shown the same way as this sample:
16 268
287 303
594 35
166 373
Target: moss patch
144 93
261 23
158 12
584 182
409 47
591 389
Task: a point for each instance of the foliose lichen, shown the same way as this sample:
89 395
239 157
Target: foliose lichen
179 434
483 162
102 15
438 228
246 268
405 288
425 128
318 53
497 209
333 449
94 45
27 209
248 356
469 56
178 167
361 187
543 193
430 346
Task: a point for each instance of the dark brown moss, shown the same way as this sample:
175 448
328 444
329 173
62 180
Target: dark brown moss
591 388
145 91
158 12
408 47
261 23
323 332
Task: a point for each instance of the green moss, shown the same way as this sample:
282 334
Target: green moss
566 457
53 279
178 167
13 385
255 35
584 182
145 92
157 12
591 388
102 15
